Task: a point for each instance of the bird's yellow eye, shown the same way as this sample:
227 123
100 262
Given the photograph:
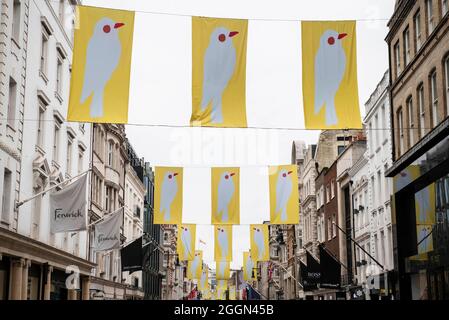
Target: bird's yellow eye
107 29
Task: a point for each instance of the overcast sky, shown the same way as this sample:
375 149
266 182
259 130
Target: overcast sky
161 94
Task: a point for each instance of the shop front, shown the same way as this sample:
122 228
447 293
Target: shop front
421 219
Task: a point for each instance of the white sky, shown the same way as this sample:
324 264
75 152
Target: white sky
161 94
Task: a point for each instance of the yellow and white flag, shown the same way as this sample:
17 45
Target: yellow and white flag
222 271
249 267
99 87
203 283
284 195
168 195
186 242
195 266
259 242
223 243
329 75
219 72
225 195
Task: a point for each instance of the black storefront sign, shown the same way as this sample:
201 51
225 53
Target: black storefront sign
313 271
330 270
131 256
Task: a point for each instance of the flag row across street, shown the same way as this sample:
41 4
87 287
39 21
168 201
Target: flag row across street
102 65
225 193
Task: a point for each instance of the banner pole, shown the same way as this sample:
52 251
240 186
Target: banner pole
20 203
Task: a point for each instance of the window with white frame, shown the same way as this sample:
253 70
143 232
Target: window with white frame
59 74
332 188
421 110
376 132
44 50
334 226
329 229
80 159
12 102
16 13
69 154
417 26
407 52
434 97
328 194
56 138
411 124
385 122
110 153
371 144
40 124
430 17
6 198
397 59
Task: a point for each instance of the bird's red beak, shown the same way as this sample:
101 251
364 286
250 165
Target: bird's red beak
118 25
342 35
233 33
232 174
290 172
175 174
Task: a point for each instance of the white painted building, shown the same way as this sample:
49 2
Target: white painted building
38 149
379 150
360 216
133 218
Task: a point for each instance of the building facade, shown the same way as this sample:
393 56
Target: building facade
153 251
109 158
133 216
379 153
35 86
418 41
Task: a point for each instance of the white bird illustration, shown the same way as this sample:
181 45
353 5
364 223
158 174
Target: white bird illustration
330 66
102 58
283 192
195 264
225 192
168 193
219 65
249 264
186 240
223 242
259 241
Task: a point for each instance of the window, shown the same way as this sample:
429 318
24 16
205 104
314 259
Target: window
411 125
434 97
107 200
340 149
6 200
407 53
80 159
40 124
379 186
370 132
444 7
37 206
328 194
385 122
421 111
373 191
332 189
417 25
61 11
334 226
44 49
16 12
110 153
69 156
446 69
430 19
56 143
376 131
59 68
12 102
401 132
397 59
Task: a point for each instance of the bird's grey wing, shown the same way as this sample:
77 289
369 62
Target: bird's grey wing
228 67
321 79
209 75
281 194
89 71
221 202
